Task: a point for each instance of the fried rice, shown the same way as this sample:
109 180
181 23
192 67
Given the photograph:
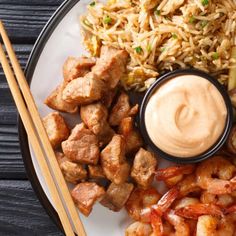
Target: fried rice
164 35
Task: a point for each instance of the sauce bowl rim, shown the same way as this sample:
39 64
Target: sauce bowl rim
221 140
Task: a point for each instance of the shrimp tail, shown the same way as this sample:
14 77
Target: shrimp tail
199 209
156 223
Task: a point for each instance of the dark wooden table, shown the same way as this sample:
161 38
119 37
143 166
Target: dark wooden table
20 211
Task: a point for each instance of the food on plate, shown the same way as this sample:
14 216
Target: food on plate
73 172
77 67
96 172
83 90
81 146
85 195
56 128
133 139
120 110
55 101
117 195
113 160
95 118
185 122
144 167
216 178
104 155
164 35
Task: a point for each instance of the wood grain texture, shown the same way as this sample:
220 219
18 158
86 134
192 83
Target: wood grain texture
20 211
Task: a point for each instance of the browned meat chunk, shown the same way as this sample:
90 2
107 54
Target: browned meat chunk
81 146
113 160
108 97
77 67
95 117
117 195
56 128
55 101
96 172
120 110
133 139
111 65
85 195
144 167
83 90
73 172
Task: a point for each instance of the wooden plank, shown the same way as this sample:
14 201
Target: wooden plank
25 19
21 213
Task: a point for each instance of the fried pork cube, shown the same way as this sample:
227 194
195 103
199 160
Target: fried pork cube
95 117
73 172
85 195
81 146
96 172
83 90
132 137
122 110
55 101
117 195
144 167
113 160
56 128
110 66
77 67
108 97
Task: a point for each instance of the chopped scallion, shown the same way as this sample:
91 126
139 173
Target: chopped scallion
149 48
158 12
107 20
205 2
92 4
215 55
174 36
163 49
138 49
192 19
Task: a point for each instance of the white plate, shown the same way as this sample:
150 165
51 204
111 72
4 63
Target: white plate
61 38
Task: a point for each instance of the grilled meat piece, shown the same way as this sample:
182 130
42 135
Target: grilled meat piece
144 167
133 139
110 66
85 195
81 146
95 172
113 160
83 90
56 128
117 195
95 117
120 110
73 172
77 67
55 101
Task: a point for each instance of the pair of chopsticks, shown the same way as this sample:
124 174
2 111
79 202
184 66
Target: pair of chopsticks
39 140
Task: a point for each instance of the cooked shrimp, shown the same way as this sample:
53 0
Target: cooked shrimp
216 166
166 201
172 171
179 224
188 185
231 209
163 204
186 201
139 229
199 209
156 223
171 182
223 200
141 199
212 226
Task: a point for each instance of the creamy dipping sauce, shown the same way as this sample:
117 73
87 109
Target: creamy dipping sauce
185 116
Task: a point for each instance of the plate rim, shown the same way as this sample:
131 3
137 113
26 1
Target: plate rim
37 49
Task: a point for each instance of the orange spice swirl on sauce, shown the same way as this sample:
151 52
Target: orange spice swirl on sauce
185 116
